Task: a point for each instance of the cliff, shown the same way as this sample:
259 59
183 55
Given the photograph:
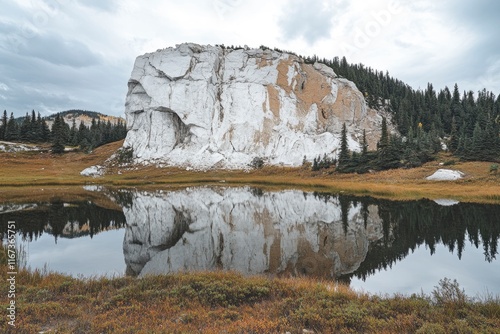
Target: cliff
206 106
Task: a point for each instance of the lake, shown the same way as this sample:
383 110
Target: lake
374 245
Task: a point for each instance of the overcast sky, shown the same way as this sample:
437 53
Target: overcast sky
78 54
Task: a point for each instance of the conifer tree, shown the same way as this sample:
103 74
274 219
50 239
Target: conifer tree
58 139
344 155
44 131
384 136
364 148
25 129
3 127
12 130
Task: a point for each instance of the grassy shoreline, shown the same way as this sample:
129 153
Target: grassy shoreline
216 302
30 170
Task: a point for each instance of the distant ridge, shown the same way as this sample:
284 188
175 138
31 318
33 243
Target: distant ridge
78 115
84 116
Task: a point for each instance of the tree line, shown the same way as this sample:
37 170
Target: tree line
34 129
393 151
467 124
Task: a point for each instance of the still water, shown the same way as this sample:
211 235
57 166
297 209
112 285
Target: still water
378 246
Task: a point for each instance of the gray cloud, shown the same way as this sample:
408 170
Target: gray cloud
308 19
59 51
480 18
48 70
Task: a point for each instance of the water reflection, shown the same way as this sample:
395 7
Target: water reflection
59 219
285 233
294 233
247 230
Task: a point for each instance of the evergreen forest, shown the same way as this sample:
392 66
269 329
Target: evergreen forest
429 121
34 129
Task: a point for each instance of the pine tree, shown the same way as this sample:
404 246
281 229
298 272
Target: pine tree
44 131
454 136
73 134
344 155
58 139
12 130
315 165
33 133
477 147
384 136
25 129
364 148
3 128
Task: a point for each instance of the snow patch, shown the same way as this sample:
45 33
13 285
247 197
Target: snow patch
94 171
446 175
17 147
446 202
93 188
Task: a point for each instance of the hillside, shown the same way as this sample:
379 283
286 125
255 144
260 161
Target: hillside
83 116
76 128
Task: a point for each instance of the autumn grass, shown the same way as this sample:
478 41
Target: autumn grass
225 302
33 169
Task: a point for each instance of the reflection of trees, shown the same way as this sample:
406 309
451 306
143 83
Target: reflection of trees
408 225
54 217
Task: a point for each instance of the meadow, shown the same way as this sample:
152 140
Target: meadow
23 172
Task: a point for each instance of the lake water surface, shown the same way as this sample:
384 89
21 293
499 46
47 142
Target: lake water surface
374 245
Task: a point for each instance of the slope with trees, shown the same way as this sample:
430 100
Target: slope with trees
34 129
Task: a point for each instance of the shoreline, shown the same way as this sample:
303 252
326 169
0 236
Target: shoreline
22 172
214 302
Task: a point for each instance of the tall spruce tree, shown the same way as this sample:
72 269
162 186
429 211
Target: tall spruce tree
364 148
25 129
12 130
58 136
344 155
3 127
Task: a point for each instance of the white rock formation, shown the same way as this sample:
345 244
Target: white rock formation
245 230
205 106
446 175
94 171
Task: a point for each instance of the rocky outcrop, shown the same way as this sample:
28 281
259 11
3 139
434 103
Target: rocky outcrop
247 230
207 106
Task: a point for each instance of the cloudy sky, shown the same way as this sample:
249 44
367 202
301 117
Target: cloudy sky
78 54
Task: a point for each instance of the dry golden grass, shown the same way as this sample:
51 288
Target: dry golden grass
44 169
222 302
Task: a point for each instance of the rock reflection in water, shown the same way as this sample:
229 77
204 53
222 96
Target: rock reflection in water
249 231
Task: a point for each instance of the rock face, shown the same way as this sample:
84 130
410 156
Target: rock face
247 230
205 106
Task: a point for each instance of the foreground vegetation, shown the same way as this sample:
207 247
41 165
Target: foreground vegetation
219 302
